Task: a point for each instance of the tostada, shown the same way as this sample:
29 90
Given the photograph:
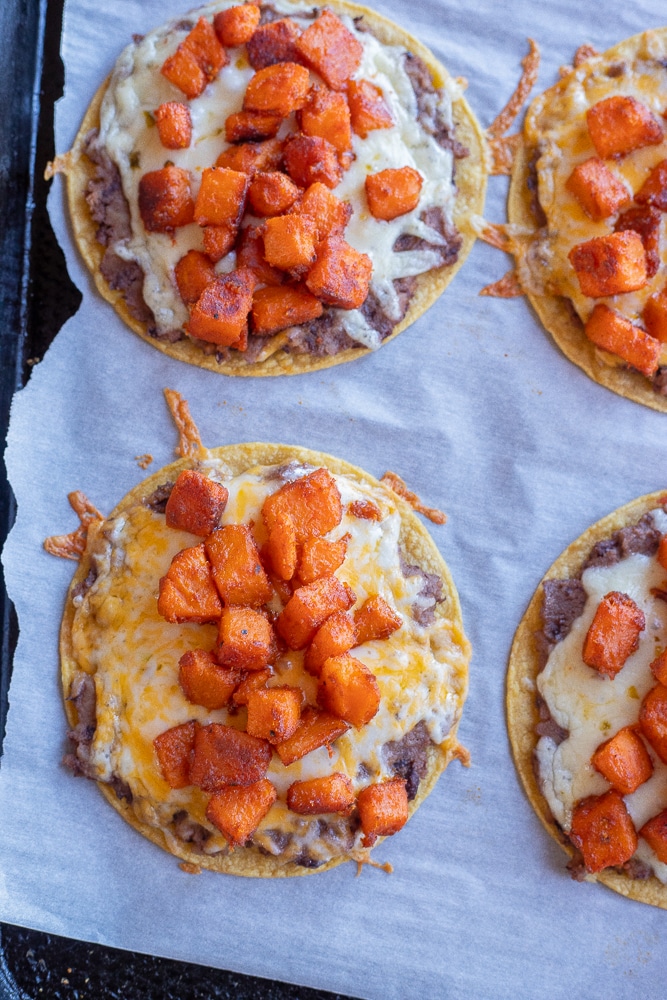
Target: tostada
587 701
274 188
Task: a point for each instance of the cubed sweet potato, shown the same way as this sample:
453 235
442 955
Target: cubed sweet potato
310 503
220 314
609 265
624 761
597 189
309 607
613 635
329 213
187 592
183 70
195 503
255 681
376 619
250 254
310 158
274 713
174 125
281 550
326 114
330 49
271 193
279 89
368 108
236 567
393 192
662 552
655 316
219 240
236 25
193 273
221 197
607 329
165 199
316 729
245 639
348 689
336 636
197 60
289 241
237 811
654 833
332 793
275 309
340 275
227 756
603 831
659 668
249 157
364 509
321 557
620 124
654 189
653 720
204 681
274 43
174 749
646 221
383 809
249 126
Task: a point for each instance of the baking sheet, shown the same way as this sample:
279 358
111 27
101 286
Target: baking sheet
482 416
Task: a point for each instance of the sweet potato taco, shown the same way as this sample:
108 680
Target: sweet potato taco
275 188
587 701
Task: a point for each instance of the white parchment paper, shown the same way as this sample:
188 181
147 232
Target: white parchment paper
477 410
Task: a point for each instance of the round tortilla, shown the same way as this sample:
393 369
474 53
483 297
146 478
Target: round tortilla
556 313
522 713
471 174
419 549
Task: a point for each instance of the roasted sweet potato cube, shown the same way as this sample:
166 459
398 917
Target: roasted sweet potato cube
376 619
226 756
193 273
321 557
220 314
383 809
248 157
275 309
624 761
348 689
274 43
249 126
316 729
219 240
174 125
654 189
309 607
165 199
195 503
236 25
368 108
653 720
659 668
655 316
336 636
311 504
271 193
603 831
183 70
330 49
278 89
609 265
274 713
250 254
281 550
654 833
187 593
662 552
253 682
245 639
203 43
329 213
326 114
289 241
340 275
646 221
597 189
332 793
365 509
613 635
221 197
174 749
393 192
310 158
614 333
238 811
236 567
204 681
618 125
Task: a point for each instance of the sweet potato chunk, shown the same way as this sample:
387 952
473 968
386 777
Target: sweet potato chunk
376 619
654 833
249 126
195 503
336 636
654 189
310 158
618 125
609 265
383 809
655 316
368 109
220 314
274 43
197 60
597 189
281 551
236 25
183 70
603 831
365 509
614 333
624 761
236 566
238 811
275 309
340 275
329 213
165 200
249 157
311 504
187 593
326 114
653 720
204 681
613 634
174 749
273 713
271 193
226 756
391 193
316 729
278 89
245 639
289 241
662 552
174 125
348 689
250 254
219 240
320 557
255 681
221 197
330 49
659 668
332 793
309 607
193 273
645 220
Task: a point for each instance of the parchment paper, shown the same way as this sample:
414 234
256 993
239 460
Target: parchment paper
478 411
